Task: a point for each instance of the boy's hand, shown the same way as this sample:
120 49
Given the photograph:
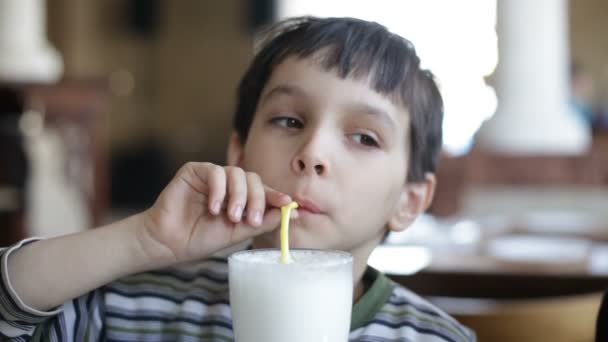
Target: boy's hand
206 208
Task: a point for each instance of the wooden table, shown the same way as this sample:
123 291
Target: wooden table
503 303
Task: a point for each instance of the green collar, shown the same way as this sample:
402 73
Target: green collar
372 300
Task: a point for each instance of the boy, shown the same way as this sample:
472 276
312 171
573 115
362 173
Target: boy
332 113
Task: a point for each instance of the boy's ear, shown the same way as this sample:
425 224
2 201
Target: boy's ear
415 198
235 150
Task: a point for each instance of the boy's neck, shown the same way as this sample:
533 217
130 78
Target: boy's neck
359 290
360 256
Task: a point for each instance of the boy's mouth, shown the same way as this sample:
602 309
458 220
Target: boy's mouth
306 205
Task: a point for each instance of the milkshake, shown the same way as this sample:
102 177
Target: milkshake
306 300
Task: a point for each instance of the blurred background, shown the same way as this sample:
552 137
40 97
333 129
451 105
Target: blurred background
102 101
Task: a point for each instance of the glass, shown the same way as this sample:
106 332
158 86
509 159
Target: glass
307 300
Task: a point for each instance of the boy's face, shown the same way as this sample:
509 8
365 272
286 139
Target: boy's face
337 147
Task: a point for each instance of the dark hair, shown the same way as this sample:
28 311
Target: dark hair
358 49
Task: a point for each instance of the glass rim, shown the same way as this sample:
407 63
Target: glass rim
345 257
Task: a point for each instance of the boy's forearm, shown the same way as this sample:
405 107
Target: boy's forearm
48 273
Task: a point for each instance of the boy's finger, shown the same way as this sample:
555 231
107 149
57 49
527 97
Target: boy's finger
237 193
294 214
216 180
275 198
271 221
256 201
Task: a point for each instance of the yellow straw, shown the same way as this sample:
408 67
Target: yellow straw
285 211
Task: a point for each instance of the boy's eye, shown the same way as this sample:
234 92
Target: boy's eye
365 139
287 122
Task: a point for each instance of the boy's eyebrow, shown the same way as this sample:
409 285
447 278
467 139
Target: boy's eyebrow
282 89
355 107
365 108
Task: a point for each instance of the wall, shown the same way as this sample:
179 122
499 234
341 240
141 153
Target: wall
185 75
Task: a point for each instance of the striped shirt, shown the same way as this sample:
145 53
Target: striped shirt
190 302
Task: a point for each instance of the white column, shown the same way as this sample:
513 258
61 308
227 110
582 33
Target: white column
532 83
25 53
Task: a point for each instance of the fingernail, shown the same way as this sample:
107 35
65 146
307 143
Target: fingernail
217 206
257 218
238 212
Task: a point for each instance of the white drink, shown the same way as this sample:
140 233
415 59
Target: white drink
307 300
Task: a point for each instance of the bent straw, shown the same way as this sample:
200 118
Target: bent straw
285 212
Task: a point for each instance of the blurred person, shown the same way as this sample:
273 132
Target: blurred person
582 93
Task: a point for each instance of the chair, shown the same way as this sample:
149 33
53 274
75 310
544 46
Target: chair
569 318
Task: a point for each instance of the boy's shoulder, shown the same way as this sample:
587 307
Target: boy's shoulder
404 314
403 301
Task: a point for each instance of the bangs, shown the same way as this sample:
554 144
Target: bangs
351 48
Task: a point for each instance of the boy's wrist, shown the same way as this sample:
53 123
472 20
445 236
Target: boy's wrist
149 253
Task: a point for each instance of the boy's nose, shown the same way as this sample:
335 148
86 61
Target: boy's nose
311 160
304 167
312 157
